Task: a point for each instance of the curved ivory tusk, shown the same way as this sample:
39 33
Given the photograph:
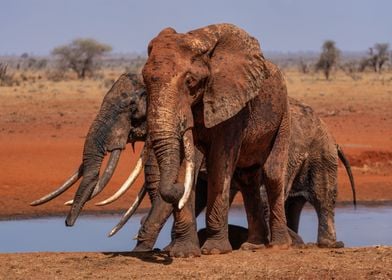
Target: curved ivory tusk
127 184
189 151
68 203
130 211
108 173
67 184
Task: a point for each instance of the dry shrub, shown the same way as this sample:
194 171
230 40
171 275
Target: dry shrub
107 83
55 75
351 69
6 79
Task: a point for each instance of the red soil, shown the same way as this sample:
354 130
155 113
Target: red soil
42 135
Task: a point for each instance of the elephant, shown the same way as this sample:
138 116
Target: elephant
120 120
312 172
307 129
211 88
311 177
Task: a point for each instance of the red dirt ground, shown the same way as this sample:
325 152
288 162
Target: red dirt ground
353 263
42 130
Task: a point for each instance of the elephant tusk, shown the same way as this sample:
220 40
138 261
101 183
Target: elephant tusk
189 151
67 184
130 211
68 203
108 173
127 184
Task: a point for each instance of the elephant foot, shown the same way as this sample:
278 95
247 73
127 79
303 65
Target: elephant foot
237 236
280 239
184 249
248 246
168 247
216 246
296 240
142 247
330 244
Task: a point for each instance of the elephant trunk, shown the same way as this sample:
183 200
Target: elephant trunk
92 161
165 135
167 152
95 148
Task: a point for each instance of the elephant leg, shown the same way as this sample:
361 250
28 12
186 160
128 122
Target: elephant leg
152 225
325 193
201 195
249 183
200 204
185 242
266 210
294 206
296 239
159 212
221 160
274 175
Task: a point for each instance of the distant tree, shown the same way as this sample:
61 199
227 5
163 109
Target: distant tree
328 58
81 55
303 66
377 56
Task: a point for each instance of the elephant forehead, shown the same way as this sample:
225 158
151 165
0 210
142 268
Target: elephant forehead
163 66
122 85
165 42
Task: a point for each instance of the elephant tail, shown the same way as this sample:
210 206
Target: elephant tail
347 165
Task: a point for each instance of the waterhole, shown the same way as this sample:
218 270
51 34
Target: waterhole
365 226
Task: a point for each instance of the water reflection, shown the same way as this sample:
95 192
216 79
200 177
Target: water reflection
366 226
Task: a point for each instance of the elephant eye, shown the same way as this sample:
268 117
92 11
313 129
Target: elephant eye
190 81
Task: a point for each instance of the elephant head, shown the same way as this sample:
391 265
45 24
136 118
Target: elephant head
218 68
120 120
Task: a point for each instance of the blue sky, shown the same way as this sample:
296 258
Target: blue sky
37 26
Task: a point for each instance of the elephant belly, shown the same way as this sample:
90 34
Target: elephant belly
255 152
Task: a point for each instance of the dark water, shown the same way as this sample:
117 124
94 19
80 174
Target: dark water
366 226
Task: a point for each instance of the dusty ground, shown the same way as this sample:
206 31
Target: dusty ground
42 129
355 263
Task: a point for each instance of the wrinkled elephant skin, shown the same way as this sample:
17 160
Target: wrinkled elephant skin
216 82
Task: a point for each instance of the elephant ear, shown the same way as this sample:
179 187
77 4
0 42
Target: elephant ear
237 70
